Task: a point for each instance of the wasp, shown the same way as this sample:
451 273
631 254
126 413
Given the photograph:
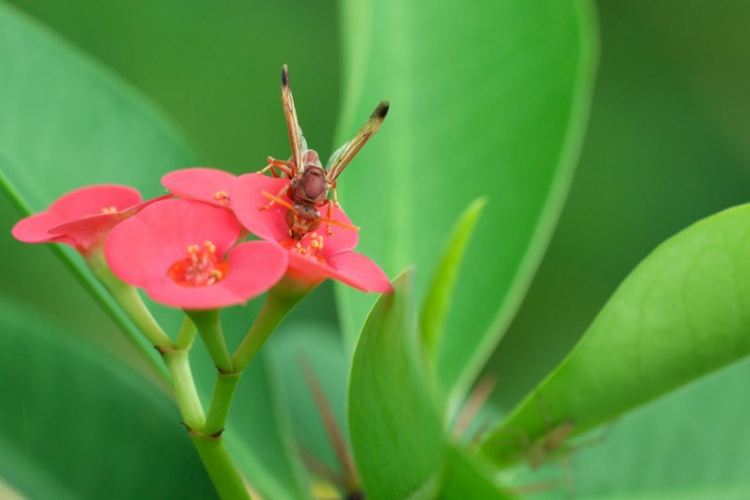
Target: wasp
310 182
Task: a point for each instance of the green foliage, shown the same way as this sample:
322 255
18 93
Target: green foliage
442 287
395 430
74 420
682 313
477 109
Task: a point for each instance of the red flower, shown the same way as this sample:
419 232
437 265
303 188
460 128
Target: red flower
180 252
203 184
318 255
83 217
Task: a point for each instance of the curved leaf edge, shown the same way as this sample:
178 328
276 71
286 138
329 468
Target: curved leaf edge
550 213
532 398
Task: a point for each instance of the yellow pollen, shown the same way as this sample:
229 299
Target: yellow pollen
221 196
201 267
109 210
311 250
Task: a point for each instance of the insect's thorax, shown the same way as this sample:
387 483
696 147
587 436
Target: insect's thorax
310 186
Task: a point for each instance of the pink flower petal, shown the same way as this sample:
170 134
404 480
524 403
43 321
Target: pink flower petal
351 268
247 198
87 231
358 271
200 184
254 268
92 200
148 243
34 229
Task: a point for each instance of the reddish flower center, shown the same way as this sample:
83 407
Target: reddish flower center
201 268
312 250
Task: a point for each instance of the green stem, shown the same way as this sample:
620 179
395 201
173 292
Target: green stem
280 301
209 326
187 334
220 468
184 389
226 383
215 458
128 298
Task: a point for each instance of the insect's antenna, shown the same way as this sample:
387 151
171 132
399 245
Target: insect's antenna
285 76
382 110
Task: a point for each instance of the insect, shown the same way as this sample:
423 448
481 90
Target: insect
310 182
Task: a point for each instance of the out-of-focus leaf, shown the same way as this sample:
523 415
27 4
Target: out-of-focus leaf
442 286
76 423
216 71
395 429
319 345
487 99
67 123
682 313
464 478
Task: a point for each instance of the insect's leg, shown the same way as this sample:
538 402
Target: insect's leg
284 166
330 215
335 196
276 199
544 411
340 224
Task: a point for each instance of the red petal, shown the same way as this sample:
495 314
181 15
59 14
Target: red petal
90 200
148 243
199 183
358 271
351 268
35 229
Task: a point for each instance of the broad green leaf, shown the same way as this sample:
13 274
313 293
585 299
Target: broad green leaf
682 313
691 444
394 425
625 199
442 287
216 71
76 423
68 123
487 99
465 477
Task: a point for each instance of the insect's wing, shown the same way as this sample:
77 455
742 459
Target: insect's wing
341 158
296 140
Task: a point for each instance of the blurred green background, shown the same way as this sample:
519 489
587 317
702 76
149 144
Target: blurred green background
665 146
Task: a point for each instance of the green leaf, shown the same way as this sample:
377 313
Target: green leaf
215 70
465 477
78 423
442 287
67 123
486 100
682 313
395 429
318 344
703 451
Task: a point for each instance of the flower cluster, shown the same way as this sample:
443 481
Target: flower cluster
187 249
